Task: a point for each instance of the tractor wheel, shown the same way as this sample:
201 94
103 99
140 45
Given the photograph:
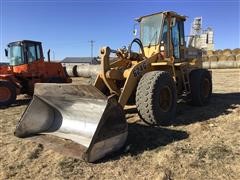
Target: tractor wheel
156 98
7 93
201 87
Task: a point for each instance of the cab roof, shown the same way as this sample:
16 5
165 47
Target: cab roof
23 41
172 13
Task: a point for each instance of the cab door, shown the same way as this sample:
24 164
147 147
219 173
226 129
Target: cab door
177 38
33 52
34 59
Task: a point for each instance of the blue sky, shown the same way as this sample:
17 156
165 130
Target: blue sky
66 26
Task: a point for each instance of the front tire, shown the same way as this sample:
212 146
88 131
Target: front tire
7 93
156 98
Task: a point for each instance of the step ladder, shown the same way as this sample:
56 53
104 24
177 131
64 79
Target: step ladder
186 80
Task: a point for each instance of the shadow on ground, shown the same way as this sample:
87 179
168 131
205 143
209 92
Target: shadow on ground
18 102
142 138
221 104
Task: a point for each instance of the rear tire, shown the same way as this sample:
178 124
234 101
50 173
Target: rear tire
201 87
7 93
156 98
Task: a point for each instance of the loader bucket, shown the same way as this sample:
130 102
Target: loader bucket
80 113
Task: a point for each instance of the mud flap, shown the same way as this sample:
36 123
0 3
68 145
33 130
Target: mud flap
80 113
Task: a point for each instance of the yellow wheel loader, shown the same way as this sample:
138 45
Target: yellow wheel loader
163 71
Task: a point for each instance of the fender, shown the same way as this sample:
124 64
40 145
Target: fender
11 78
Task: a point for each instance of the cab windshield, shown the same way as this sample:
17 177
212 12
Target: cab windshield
150 29
16 55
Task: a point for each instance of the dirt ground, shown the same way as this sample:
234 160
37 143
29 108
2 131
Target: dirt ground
203 143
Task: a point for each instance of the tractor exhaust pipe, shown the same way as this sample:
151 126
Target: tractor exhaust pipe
48 54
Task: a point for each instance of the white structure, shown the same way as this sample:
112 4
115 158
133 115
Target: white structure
199 38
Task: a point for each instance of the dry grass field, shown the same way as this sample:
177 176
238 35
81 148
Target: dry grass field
202 143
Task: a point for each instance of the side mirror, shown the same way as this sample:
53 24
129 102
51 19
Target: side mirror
135 30
6 52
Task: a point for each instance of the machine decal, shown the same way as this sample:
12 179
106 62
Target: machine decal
140 69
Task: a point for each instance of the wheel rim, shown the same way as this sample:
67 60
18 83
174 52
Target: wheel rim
206 88
165 99
5 94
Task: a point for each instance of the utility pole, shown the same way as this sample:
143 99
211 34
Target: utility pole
91 43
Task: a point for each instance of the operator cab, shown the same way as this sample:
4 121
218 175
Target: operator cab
24 52
163 32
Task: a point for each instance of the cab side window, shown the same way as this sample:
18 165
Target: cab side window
31 53
38 52
181 28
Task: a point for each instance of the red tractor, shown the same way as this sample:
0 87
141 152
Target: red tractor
27 67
